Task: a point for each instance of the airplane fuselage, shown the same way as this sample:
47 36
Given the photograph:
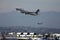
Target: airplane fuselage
27 12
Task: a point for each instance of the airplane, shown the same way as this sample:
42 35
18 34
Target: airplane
27 12
39 23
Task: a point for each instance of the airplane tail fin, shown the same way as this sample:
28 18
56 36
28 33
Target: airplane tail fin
37 11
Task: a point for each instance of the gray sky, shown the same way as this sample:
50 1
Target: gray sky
44 5
13 18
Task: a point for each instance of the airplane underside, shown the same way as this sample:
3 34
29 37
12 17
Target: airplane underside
30 14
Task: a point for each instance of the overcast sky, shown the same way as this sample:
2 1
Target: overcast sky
12 17
44 5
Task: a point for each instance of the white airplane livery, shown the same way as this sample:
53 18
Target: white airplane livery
28 12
